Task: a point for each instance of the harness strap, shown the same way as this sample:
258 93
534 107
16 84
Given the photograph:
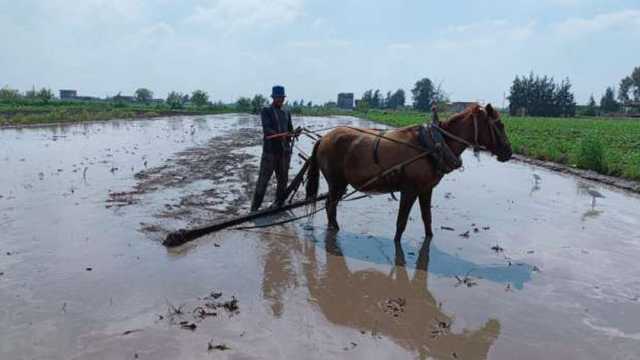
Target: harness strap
376 159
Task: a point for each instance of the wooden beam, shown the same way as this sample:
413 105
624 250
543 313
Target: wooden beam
183 236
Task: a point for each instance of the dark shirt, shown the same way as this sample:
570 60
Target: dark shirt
276 121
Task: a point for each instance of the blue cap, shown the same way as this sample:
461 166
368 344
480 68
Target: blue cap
277 90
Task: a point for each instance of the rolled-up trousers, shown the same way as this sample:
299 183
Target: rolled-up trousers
268 164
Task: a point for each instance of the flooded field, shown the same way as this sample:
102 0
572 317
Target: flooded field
525 263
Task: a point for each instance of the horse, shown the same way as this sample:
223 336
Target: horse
355 156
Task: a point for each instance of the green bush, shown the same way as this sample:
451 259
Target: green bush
591 154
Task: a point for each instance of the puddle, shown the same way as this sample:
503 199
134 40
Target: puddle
548 269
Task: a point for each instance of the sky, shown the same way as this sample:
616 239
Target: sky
315 48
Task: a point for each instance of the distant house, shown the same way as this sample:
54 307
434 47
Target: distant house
345 101
123 98
459 106
87 98
68 94
631 108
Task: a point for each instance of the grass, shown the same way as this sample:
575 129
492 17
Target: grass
609 146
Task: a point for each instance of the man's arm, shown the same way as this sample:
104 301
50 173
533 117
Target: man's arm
267 123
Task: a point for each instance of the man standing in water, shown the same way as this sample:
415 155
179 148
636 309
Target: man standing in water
276 148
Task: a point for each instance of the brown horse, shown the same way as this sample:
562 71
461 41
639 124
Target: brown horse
348 156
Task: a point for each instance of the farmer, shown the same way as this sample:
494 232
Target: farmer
276 148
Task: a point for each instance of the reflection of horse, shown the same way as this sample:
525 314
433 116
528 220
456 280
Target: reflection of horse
359 299
380 250
351 156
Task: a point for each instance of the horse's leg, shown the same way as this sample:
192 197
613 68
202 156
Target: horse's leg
407 199
336 191
425 209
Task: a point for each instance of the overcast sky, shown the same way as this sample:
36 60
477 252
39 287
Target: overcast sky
315 48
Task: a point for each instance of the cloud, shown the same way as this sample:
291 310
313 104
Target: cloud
238 14
319 44
484 33
621 20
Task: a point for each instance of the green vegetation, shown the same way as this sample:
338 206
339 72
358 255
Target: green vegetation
610 146
541 96
28 112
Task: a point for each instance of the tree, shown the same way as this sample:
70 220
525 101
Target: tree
635 78
7 94
31 94
608 101
200 98
623 89
395 100
257 103
376 100
386 102
367 97
424 94
564 99
591 109
45 95
143 95
175 100
243 104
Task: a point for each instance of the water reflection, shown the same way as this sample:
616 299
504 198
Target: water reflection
361 300
381 250
279 274
591 214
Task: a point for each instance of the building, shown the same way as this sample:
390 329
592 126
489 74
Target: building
68 94
345 101
631 108
123 98
459 106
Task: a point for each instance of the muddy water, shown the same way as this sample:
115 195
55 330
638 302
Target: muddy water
527 265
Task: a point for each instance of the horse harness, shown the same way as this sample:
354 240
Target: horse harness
431 143
493 130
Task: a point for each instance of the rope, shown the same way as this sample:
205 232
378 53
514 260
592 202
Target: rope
282 222
413 146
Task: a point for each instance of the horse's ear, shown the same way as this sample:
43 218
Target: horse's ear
490 111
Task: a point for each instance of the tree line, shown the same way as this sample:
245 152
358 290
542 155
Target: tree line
425 93
541 96
12 95
628 95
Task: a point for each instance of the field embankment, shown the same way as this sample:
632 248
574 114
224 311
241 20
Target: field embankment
609 146
25 113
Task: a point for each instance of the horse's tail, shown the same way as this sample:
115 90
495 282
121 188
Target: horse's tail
313 177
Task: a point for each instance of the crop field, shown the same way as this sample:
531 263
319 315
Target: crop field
610 146
30 113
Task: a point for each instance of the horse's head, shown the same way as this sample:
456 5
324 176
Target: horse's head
489 132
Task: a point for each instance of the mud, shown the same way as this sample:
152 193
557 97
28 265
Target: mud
547 267
220 177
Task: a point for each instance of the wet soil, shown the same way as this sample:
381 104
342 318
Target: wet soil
220 176
525 263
